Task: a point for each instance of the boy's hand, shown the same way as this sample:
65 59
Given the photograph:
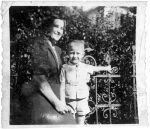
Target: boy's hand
109 69
114 70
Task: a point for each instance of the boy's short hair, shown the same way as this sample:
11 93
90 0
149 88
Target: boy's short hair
76 43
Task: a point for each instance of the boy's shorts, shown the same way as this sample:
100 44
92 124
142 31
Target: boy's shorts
79 106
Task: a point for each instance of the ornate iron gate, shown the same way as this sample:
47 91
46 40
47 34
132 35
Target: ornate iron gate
109 100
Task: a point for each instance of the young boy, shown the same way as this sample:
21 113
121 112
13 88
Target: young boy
74 76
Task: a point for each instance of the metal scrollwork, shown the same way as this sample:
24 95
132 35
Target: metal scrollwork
114 70
105 115
107 102
113 97
105 97
90 60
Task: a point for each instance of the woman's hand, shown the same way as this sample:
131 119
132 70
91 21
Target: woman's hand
61 107
70 109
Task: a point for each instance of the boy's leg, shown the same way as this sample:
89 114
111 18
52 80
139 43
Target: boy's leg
72 106
82 110
80 119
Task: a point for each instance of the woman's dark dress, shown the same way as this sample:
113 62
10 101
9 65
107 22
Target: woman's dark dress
45 68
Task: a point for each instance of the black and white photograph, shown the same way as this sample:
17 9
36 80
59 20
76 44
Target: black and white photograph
74 64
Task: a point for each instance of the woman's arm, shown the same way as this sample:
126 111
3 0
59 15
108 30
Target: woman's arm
41 69
45 88
47 91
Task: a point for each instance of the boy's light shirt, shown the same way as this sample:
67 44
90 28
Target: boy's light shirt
75 78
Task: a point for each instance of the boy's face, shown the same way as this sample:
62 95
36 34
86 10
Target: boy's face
76 54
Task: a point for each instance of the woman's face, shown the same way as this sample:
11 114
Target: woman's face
56 30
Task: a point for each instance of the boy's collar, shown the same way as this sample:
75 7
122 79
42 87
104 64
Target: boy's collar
74 64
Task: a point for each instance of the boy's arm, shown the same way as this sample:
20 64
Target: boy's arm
62 93
102 68
62 86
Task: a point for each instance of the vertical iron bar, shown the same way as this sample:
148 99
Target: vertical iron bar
109 92
134 86
96 108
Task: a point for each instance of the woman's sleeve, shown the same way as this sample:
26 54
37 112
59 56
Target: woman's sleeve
39 59
39 62
39 68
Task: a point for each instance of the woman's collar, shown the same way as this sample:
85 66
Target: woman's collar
53 42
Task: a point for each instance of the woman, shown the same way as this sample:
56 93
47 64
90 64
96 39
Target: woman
44 105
